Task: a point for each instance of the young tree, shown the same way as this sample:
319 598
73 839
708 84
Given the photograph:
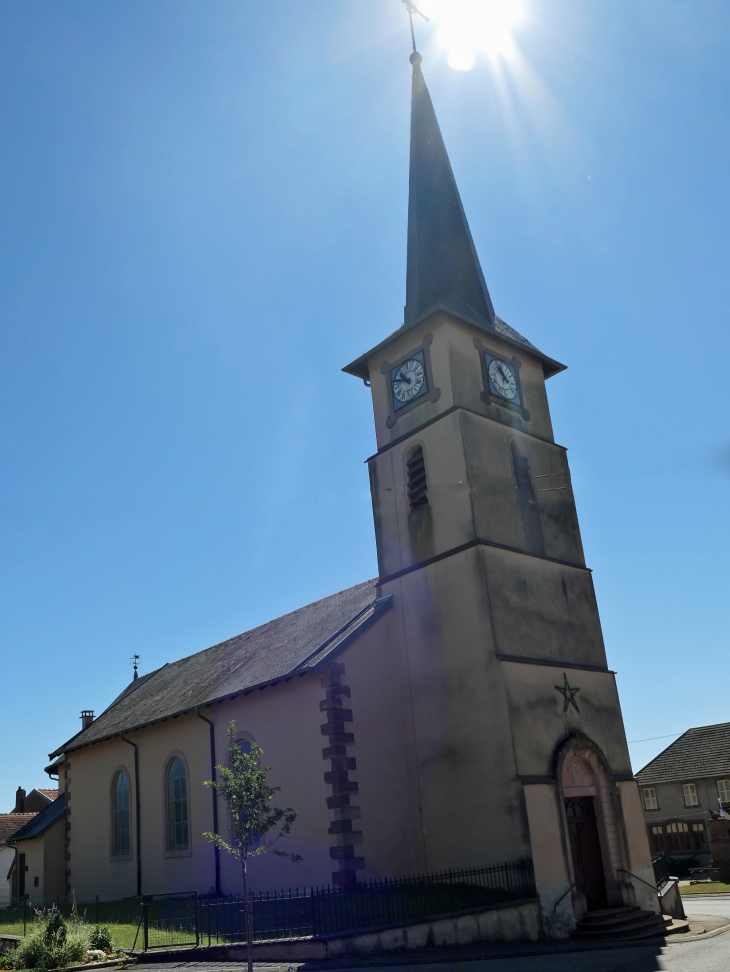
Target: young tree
244 787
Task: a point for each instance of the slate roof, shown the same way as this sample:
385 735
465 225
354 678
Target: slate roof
698 753
443 270
11 822
304 640
41 821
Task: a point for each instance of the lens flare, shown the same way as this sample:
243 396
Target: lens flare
470 27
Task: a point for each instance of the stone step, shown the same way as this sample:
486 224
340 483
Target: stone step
627 924
616 922
607 912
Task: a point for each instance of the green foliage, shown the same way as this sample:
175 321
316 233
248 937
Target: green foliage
243 785
50 944
101 937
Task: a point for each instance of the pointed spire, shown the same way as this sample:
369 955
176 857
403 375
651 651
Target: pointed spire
443 267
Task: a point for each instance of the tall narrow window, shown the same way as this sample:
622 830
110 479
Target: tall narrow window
690 795
650 802
417 492
526 500
698 835
120 815
657 839
677 837
723 790
177 806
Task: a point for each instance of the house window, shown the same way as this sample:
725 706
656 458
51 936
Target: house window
657 839
416 469
650 798
677 837
723 790
690 795
177 806
120 815
698 835
526 500
35 882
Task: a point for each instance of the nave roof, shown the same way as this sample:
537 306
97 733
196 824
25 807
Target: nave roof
302 641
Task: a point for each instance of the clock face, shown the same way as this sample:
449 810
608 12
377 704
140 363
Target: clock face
502 379
408 381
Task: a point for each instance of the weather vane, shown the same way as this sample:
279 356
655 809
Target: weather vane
135 660
413 9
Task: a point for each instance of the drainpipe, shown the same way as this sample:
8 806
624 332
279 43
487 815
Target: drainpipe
215 801
17 885
136 796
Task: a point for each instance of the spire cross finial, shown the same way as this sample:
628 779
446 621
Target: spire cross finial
413 9
135 660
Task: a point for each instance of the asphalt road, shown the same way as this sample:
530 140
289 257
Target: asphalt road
710 905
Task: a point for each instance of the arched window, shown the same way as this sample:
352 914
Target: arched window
120 815
526 500
417 490
177 806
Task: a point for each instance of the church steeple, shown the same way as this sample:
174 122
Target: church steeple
443 267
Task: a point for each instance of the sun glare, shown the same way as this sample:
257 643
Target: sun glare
470 27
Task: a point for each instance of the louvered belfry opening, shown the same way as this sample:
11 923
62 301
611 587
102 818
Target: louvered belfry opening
417 491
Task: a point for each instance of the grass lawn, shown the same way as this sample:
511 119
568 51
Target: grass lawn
704 888
120 917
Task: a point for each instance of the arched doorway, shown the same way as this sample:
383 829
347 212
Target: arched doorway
592 830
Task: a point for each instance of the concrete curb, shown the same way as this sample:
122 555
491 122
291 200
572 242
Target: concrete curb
91 965
706 894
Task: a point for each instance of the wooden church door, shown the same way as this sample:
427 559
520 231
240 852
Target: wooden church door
585 848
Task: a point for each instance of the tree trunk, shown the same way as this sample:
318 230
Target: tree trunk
249 916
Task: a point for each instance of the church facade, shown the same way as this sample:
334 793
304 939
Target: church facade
455 711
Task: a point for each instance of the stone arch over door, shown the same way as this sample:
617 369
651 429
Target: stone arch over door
581 772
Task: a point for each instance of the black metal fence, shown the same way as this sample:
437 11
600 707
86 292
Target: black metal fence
186 919
660 863
170 920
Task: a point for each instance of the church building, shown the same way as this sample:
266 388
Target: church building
458 709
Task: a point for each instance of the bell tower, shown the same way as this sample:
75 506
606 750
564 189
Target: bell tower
478 542
466 454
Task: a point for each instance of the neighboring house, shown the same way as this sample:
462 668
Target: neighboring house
10 823
38 868
681 787
456 711
35 801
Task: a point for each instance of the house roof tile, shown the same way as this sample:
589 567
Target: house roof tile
41 821
698 753
51 794
12 822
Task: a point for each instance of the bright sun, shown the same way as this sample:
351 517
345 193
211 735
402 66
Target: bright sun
468 27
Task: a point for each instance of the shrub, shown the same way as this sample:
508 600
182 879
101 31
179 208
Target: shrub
50 945
101 937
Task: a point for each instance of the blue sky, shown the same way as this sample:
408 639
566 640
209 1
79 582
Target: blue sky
204 213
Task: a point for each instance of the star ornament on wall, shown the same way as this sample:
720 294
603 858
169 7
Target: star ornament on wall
568 694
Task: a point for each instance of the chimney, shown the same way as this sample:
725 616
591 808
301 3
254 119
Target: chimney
19 799
87 717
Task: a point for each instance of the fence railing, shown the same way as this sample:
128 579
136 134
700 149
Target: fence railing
187 919
661 869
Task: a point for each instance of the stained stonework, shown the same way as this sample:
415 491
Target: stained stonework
343 788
